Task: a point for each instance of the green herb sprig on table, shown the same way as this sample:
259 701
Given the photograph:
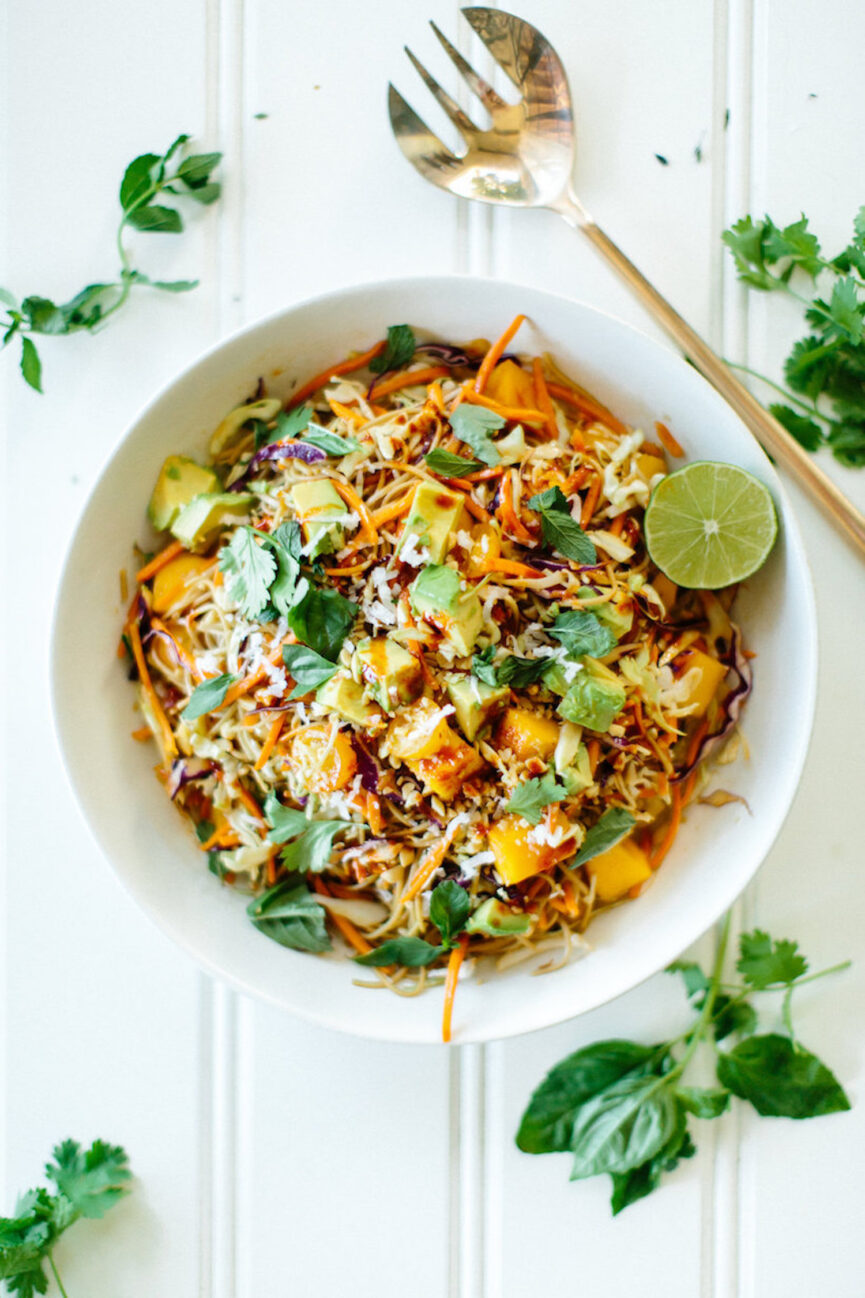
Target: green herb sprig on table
88 1182
174 174
824 400
623 1108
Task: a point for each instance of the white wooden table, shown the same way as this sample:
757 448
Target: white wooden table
276 1158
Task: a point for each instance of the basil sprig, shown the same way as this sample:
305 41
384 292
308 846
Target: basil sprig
449 911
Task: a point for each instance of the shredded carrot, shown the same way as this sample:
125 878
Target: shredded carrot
142 734
490 361
394 510
593 748
672 829
272 867
652 448
159 561
350 570
249 682
430 863
483 475
577 478
346 412
615 528
437 396
250 803
408 379
345 926
270 742
455 960
122 651
587 405
668 441
347 366
542 397
508 514
220 837
590 503
353 500
147 685
374 818
477 511
513 414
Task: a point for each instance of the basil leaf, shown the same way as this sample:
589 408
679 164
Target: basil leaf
449 909
449 465
312 850
31 365
529 799
560 530
547 1125
322 619
413 952
612 826
400 348
482 666
474 425
780 1078
285 822
704 1102
156 220
763 962
623 1126
329 442
511 670
731 1016
640 1181
307 667
207 696
250 568
289 914
582 632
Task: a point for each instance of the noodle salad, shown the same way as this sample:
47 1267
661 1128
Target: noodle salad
413 676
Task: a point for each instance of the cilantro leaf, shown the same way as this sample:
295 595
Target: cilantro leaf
529 799
848 444
560 529
763 961
285 822
250 568
322 619
329 442
846 311
582 632
692 976
806 432
307 667
289 914
290 424
412 952
745 239
207 696
92 1180
448 465
311 851
475 425
796 242
400 348
284 545
608 830
449 910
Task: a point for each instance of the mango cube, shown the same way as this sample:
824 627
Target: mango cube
619 870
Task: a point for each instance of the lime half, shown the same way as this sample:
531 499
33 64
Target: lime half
709 525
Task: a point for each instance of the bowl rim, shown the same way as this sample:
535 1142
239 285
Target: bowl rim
175 930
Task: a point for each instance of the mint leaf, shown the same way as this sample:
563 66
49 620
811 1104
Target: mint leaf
448 465
329 442
401 344
290 915
547 1124
475 425
582 632
250 568
449 909
509 670
322 619
560 530
529 799
307 667
31 365
207 696
92 1180
780 1078
806 432
412 952
156 220
624 1126
195 169
138 179
763 961
608 830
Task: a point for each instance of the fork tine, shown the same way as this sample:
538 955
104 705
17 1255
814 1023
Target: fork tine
421 146
481 88
461 120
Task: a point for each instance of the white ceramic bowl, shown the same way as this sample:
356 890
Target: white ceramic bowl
142 835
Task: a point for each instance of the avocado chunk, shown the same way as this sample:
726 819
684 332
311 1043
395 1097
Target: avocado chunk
592 701
437 596
180 480
561 674
571 759
434 514
321 512
393 676
618 616
494 919
512 447
200 520
474 702
344 696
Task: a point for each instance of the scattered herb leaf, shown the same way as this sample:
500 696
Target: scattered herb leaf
529 799
290 915
322 619
250 567
449 465
400 348
307 667
560 530
329 442
608 830
475 425
582 632
207 696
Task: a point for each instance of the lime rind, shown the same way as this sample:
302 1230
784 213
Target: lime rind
710 524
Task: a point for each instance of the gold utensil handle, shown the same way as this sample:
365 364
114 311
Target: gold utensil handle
769 433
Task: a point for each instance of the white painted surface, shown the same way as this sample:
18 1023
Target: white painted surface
274 1157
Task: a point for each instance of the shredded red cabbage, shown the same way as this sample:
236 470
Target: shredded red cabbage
184 770
279 451
366 765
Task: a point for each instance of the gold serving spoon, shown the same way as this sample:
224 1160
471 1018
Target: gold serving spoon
526 159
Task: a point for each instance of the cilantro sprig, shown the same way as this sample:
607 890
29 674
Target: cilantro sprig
88 1182
311 844
824 397
623 1108
449 912
529 798
175 174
